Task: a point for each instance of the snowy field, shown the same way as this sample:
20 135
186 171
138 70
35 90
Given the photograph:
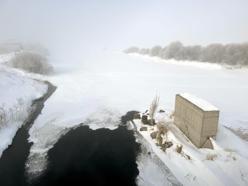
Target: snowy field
98 89
118 82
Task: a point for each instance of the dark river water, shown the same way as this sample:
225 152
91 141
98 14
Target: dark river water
81 157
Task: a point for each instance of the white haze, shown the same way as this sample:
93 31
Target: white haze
74 29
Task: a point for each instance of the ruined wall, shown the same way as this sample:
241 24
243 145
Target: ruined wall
196 122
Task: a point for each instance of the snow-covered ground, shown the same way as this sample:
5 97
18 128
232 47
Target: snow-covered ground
99 89
226 164
102 88
16 95
120 82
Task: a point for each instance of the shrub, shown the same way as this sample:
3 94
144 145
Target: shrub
153 107
163 129
31 62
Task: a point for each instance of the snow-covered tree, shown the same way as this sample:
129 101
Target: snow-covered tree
31 62
231 54
132 50
155 51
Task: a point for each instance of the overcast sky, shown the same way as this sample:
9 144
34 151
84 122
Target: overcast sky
109 24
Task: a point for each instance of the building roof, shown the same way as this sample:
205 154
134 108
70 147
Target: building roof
204 105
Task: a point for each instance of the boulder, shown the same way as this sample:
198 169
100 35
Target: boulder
166 145
151 122
154 134
136 116
144 119
143 129
161 111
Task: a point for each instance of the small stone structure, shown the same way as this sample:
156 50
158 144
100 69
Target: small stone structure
196 118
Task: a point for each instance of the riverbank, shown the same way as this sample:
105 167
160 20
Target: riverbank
12 162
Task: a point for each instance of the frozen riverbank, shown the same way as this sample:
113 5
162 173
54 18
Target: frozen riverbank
12 162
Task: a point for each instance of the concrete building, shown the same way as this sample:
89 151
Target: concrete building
196 118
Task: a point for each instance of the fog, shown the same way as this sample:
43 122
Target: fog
97 83
72 29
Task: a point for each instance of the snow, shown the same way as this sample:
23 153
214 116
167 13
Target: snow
152 170
97 90
202 65
204 105
16 94
229 167
124 82
6 57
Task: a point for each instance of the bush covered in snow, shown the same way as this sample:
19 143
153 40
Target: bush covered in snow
14 114
31 62
132 50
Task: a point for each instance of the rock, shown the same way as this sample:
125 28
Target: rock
154 134
179 149
129 116
187 157
144 119
151 122
143 129
166 145
161 111
136 116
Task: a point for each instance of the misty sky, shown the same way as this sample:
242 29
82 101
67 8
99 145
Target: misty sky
109 24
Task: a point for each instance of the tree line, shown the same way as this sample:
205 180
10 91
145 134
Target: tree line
230 54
